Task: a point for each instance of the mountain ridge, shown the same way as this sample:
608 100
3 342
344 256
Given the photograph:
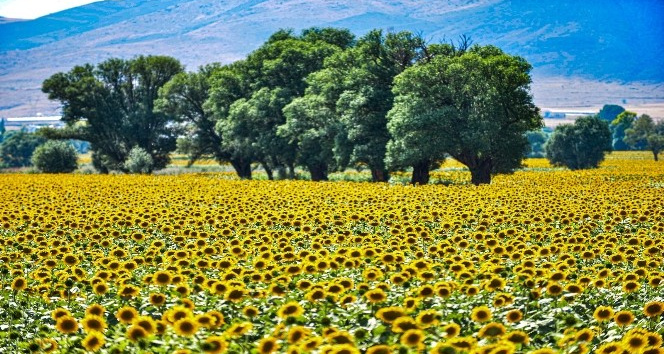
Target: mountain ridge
575 40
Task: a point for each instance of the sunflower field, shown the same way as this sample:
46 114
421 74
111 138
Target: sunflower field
542 261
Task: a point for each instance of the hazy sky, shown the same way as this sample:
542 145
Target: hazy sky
36 8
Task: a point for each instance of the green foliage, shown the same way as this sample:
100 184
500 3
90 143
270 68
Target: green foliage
474 105
184 98
139 161
112 107
618 126
55 157
580 145
610 111
645 134
248 101
537 140
17 148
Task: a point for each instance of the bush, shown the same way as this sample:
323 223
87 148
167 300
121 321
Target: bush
17 147
580 145
139 161
55 157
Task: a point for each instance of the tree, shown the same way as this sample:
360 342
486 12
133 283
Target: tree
112 107
251 130
618 126
645 134
356 87
580 145
185 97
55 157
474 105
610 111
537 140
17 148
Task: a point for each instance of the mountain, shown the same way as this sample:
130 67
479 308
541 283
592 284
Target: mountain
584 52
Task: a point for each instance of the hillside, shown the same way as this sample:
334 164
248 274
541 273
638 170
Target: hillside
584 53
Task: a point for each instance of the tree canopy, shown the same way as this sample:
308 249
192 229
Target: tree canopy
645 134
474 105
111 105
580 145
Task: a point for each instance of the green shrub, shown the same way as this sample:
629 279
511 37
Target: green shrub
139 161
55 157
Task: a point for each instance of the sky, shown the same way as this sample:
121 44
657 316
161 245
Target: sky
29 9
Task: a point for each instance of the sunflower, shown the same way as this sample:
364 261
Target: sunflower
554 289
603 313
93 323
427 318
375 296
451 330
215 345
96 310
518 337
66 324
136 333
611 347
100 288
186 327
290 309
412 338
93 341
584 335
19 284
126 314
218 318
239 329
389 314
654 339
297 333
268 345
250 311
653 308
379 349
481 314
59 312
493 329
623 318
514 316
403 324
463 343
235 294
631 286
147 322
157 299
48 345
315 295
635 341
311 343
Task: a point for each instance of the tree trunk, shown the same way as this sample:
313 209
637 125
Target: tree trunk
379 175
291 171
268 171
242 168
318 172
655 153
420 173
281 172
480 174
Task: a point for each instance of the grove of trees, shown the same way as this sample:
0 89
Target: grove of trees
322 99
580 145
